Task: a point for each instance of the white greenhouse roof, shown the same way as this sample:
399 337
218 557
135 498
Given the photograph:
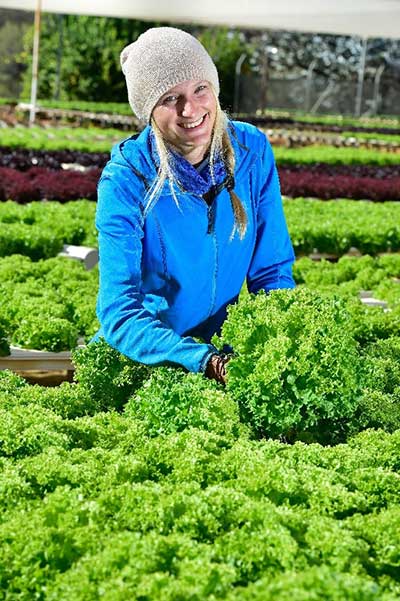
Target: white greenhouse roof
365 18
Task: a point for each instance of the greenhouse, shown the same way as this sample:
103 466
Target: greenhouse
123 480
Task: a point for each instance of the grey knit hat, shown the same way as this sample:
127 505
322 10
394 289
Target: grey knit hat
161 58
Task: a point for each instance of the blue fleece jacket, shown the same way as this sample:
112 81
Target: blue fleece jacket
167 276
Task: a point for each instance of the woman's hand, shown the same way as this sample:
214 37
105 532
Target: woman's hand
215 369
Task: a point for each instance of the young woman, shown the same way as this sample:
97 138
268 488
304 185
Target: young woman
188 210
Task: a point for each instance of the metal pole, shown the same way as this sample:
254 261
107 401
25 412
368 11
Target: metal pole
361 73
377 82
308 84
328 90
264 81
60 48
238 69
35 62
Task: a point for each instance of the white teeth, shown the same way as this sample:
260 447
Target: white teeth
191 125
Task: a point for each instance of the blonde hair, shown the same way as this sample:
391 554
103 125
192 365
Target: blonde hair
220 145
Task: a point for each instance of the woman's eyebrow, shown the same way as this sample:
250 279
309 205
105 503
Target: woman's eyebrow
171 93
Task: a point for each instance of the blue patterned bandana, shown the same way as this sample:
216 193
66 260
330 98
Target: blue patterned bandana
189 179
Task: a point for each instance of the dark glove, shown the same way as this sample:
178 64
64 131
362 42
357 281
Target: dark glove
215 369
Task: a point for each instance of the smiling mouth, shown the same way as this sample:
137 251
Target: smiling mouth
195 124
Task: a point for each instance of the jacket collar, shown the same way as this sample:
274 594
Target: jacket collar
137 152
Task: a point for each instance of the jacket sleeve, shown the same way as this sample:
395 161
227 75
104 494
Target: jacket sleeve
273 257
125 323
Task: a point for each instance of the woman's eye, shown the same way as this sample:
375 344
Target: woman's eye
169 99
201 88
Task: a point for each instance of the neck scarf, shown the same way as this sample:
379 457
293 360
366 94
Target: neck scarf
187 176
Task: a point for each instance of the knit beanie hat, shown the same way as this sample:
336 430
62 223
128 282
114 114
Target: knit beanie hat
161 58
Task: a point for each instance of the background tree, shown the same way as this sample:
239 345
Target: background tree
89 48
13 25
79 56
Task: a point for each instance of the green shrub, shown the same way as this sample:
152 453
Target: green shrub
53 334
372 323
11 384
380 403
315 583
4 346
172 400
28 430
67 400
296 365
109 377
47 304
29 240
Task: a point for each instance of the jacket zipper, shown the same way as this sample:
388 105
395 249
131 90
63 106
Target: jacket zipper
210 218
211 231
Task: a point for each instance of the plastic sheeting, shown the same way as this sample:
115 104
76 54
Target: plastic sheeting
365 18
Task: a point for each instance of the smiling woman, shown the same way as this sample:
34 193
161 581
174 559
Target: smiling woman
188 210
185 117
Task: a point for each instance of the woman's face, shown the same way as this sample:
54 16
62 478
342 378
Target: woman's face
185 115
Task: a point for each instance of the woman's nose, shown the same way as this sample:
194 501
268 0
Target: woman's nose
188 107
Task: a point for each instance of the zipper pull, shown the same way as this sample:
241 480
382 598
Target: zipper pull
210 219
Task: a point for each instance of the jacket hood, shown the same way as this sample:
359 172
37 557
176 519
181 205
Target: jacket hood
136 152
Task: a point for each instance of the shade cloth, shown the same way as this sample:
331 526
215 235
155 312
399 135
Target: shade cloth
366 18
